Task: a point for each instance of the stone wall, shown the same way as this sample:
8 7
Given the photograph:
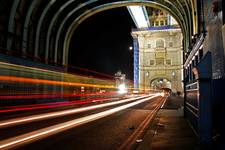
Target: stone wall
214 38
160 53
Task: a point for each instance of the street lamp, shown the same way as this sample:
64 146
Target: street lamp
122 89
146 74
173 77
130 48
173 73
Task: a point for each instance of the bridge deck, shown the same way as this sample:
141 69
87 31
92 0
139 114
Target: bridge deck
170 130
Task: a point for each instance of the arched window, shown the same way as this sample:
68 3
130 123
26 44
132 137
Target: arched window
160 43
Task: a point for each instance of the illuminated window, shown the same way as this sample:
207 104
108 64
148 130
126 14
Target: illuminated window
152 62
170 44
168 62
159 43
156 23
160 61
161 23
166 23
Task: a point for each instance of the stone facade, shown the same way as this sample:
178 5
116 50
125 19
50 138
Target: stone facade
158 53
160 56
213 41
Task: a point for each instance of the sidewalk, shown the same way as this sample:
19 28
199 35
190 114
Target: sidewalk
169 130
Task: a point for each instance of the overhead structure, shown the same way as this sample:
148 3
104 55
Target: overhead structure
43 29
139 16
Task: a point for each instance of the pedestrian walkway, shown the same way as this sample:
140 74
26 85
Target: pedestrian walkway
170 130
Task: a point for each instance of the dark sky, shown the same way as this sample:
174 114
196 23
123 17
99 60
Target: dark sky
102 42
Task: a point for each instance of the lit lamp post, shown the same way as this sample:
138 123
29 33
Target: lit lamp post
130 48
161 83
146 76
120 82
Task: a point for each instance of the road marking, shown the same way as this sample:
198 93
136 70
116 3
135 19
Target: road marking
22 120
140 130
45 132
164 102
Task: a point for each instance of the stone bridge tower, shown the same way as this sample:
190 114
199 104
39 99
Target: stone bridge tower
159 52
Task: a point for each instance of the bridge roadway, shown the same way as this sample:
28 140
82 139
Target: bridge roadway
115 124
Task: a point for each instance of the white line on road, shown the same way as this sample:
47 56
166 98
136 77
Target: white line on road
27 119
45 132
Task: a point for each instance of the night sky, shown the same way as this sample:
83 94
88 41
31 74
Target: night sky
102 42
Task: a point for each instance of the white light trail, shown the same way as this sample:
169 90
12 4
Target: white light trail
27 119
45 132
122 89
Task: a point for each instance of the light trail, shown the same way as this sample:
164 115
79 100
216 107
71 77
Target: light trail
51 82
61 102
13 66
52 105
53 72
55 95
22 120
45 132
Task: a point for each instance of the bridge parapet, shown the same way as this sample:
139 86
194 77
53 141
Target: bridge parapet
198 91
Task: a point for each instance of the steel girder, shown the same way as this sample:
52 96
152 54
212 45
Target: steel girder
65 16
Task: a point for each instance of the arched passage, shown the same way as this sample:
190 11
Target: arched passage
51 30
58 20
161 83
101 8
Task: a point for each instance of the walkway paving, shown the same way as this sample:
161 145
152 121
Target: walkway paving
170 130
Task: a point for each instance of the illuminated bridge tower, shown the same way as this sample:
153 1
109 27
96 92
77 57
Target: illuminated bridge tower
136 62
158 55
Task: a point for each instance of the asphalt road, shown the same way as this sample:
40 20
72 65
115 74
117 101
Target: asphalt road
112 131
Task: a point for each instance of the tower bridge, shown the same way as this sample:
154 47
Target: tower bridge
189 58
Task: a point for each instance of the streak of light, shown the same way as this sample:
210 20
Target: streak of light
164 102
8 65
16 121
57 74
22 68
52 105
50 82
45 71
45 132
75 101
55 95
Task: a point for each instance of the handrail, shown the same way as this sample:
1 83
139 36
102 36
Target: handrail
195 49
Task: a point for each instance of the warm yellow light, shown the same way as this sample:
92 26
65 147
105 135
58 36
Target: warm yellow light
50 82
122 89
